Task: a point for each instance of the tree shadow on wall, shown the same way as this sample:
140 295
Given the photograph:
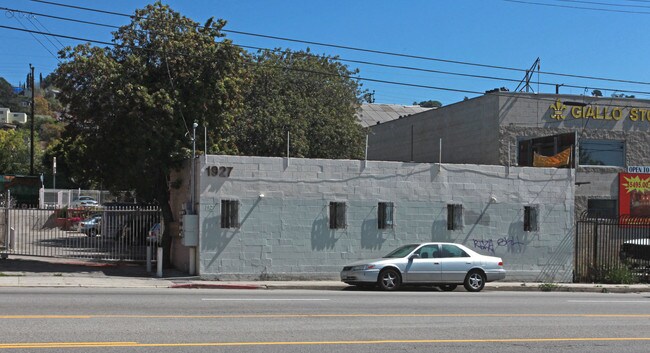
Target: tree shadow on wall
371 237
223 236
439 231
322 237
217 239
517 239
559 267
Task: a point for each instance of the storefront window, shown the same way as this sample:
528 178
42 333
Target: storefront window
602 152
544 146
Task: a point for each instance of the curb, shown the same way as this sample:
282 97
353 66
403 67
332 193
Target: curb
216 286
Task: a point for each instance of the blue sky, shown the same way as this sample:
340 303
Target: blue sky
569 37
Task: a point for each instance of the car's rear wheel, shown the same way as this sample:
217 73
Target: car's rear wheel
92 232
447 287
389 279
474 281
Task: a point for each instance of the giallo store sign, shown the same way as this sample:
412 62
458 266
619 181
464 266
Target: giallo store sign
558 112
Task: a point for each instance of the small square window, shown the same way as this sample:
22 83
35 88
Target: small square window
530 219
385 215
229 214
337 215
454 217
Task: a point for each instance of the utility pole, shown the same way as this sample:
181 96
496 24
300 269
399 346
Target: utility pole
31 156
192 172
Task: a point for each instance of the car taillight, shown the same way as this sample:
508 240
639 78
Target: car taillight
500 263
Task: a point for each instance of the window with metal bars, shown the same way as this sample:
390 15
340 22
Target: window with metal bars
454 217
229 214
337 215
385 215
530 219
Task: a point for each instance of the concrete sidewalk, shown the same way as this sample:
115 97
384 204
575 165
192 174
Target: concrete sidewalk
52 272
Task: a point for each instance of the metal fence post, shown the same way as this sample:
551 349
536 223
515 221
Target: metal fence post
595 259
159 262
148 257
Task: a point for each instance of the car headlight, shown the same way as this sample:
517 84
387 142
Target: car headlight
363 267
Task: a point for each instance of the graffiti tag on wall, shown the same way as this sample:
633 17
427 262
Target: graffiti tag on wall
491 245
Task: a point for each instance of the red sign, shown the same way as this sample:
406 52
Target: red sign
634 194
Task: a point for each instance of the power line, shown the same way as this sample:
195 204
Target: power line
293 69
81 8
59 17
537 98
603 3
574 7
59 35
47 30
363 62
33 36
366 50
259 48
46 37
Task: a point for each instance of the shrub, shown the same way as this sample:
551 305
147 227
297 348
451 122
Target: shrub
619 275
548 287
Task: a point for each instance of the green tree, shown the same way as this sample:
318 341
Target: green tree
47 128
15 152
131 107
429 104
312 97
42 106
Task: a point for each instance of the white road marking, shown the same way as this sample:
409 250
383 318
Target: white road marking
262 299
611 301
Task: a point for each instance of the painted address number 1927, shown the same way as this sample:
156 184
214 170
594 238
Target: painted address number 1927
218 171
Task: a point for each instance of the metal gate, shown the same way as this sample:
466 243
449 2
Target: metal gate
604 245
102 233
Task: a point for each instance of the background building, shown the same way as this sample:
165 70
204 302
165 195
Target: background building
605 135
7 117
372 113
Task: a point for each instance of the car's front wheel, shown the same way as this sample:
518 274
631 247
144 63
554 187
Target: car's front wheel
474 281
389 279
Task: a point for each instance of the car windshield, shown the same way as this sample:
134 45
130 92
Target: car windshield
402 251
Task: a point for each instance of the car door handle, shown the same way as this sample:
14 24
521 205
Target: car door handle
436 263
469 263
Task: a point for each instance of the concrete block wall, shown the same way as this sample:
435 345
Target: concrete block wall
286 235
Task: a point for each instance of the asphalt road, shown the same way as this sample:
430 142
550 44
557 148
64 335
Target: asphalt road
182 320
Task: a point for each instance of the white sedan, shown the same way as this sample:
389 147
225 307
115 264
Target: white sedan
445 265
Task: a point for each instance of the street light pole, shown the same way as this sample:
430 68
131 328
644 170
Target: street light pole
31 157
54 173
192 172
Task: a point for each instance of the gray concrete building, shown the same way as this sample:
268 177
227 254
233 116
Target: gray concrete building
607 135
279 218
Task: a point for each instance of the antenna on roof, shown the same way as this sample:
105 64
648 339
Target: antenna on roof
528 77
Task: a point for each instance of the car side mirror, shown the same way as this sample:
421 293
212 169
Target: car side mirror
414 256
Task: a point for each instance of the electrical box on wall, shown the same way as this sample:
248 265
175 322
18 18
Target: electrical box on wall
190 230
